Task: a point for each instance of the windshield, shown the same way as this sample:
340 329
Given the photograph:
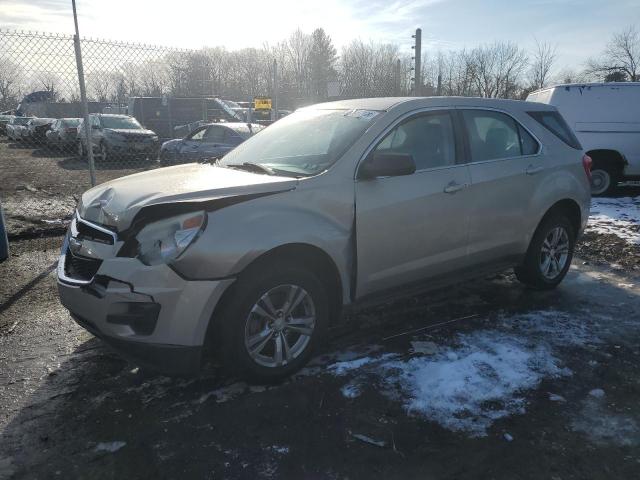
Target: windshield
305 143
128 123
71 122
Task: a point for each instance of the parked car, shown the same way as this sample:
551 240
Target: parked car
63 134
4 120
117 136
37 129
337 205
17 128
606 122
207 142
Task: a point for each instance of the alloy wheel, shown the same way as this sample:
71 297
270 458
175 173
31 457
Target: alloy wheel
554 253
280 325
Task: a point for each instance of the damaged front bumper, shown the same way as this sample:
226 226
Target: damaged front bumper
149 314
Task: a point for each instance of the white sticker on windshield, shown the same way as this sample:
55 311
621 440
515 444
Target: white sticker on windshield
362 114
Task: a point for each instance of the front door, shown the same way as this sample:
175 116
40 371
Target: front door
411 228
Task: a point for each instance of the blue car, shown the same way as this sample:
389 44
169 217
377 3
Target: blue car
207 142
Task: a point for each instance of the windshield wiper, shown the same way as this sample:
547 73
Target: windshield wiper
253 167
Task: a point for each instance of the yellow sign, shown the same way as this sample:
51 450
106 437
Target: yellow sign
262 103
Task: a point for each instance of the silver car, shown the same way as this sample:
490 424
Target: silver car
336 205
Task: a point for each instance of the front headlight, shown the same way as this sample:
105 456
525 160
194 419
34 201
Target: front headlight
165 240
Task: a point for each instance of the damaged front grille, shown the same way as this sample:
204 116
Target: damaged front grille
88 232
80 268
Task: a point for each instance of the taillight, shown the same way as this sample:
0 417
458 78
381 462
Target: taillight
586 163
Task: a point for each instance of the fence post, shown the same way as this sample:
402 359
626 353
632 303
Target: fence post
83 98
4 241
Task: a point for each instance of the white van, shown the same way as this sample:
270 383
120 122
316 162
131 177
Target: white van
606 119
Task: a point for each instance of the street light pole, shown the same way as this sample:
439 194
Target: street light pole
417 82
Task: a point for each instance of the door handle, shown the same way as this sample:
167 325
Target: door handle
454 187
531 170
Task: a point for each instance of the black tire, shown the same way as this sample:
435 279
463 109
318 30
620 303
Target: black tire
604 180
531 271
235 316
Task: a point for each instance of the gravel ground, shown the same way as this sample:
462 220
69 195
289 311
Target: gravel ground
527 384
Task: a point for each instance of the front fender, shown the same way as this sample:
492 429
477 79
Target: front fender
237 235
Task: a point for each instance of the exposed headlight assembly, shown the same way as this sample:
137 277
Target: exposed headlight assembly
165 240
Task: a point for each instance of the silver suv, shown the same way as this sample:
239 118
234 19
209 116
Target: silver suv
336 205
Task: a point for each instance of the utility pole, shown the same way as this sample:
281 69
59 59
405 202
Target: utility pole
417 78
274 100
83 98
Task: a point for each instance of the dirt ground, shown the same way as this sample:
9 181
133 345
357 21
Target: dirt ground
488 380
40 187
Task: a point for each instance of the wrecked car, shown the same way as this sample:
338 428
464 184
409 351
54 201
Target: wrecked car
335 206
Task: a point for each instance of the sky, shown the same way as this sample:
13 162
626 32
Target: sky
579 28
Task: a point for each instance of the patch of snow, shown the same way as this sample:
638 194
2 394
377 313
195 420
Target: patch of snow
344 367
556 398
351 391
279 449
552 326
110 447
597 393
508 437
605 428
617 216
426 348
467 388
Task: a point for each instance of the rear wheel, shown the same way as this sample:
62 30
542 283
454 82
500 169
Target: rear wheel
604 180
549 255
273 322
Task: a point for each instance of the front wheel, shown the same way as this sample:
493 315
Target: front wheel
549 255
273 322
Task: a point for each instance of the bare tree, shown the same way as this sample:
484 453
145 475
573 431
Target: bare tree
497 68
621 55
542 62
10 77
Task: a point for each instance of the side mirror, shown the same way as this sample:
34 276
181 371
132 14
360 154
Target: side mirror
380 164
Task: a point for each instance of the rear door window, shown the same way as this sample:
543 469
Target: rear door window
556 124
494 135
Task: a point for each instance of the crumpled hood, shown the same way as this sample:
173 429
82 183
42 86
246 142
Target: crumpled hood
116 203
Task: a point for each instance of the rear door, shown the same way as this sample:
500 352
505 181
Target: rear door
504 164
414 227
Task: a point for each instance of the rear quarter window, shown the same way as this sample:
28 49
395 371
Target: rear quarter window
556 124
